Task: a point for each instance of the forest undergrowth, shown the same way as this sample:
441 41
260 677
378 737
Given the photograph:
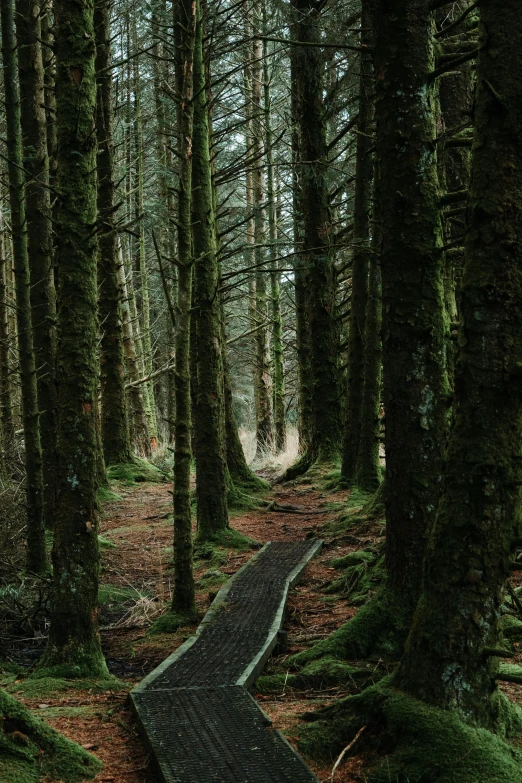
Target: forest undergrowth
136 589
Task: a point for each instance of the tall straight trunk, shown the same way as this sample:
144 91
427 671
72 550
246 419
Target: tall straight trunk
414 328
39 233
141 258
317 230
302 326
36 554
74 643
278 378
183 600
209 424
6 410
49 93
469 555
137 418
264 417
361 253
114 427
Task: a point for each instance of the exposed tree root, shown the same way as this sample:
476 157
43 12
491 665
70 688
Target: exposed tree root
407 740
30 750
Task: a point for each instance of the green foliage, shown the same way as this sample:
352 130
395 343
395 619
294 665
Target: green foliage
414 742
136 472
31 750
511 628
104 543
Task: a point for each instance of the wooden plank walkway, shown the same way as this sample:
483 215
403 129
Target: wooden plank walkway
199 721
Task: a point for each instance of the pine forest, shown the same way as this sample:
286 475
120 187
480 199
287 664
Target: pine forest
261 391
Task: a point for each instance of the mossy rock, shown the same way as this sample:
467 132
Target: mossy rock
30 750
410 741
138 471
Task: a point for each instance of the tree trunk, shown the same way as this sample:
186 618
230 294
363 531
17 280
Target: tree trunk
414 329
468 560
6 411
317 230
183 601
36 554
73 648
209 422
361 254
114 427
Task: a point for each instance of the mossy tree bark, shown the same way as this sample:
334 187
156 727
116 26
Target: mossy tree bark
74 644
114 426
209 438
468 558
39 233
317 229
6 410
264 414
36 554
414 328
361 255
278 376
183 601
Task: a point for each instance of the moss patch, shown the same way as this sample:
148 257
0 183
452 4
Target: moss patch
106 495
317 674
40 685
31 750
378 630
363 573
170 622
136 472
415 742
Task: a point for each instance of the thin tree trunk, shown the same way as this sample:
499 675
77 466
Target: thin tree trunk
446 661
73 648
183 601
6 412
361 254
114 427
209 424
36 554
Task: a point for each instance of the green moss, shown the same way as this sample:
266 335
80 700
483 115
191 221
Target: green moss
378 630
106 495
363 573
104 543
135 472
170 622
242 499
211 579
511 628
229 539
31 750
44 683
510 672
413 741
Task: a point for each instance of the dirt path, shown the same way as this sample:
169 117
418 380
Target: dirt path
136 584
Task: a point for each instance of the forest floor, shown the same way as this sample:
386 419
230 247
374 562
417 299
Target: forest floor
136 584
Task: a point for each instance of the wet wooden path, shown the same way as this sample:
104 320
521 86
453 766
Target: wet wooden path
195 712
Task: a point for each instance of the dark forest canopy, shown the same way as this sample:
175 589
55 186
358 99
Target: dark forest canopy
246 245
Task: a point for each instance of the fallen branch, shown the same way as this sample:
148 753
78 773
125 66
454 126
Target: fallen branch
347 749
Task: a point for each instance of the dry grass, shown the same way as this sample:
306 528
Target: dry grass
268 461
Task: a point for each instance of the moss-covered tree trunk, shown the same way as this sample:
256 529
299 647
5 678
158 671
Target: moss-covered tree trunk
469 554
414 328
264 414
74 645
137 418
36 555
278 377
39 233
317 231
361 254
6 410
114 427
209 420
183 601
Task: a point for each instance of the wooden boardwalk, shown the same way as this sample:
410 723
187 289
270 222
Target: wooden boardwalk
199 721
